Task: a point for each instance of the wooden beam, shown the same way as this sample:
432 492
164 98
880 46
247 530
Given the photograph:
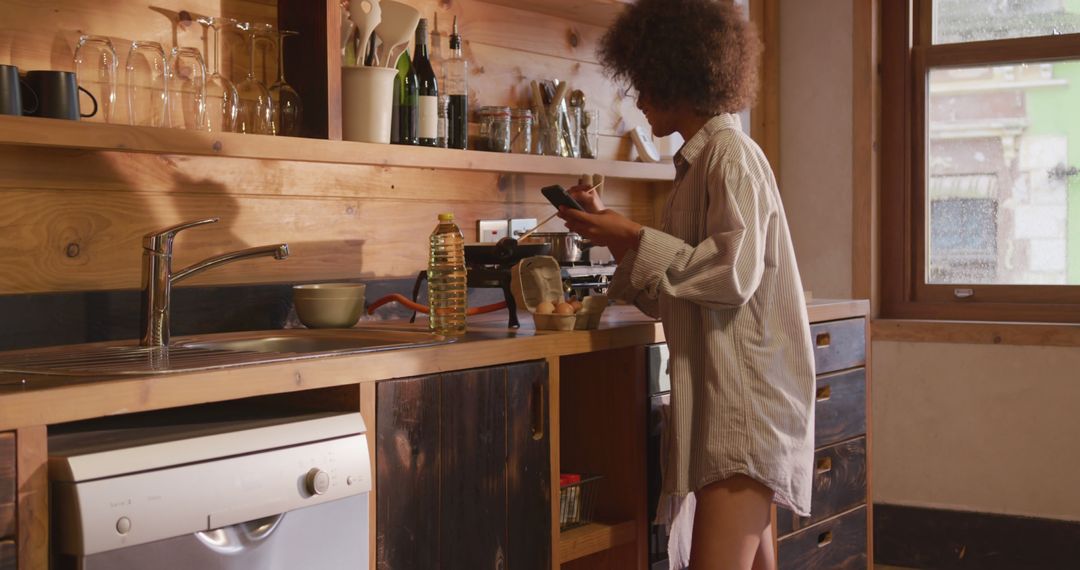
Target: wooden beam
32 455
866 109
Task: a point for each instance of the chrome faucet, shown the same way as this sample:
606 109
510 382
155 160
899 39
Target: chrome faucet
158 276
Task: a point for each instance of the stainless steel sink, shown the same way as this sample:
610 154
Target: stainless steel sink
310 341
206 352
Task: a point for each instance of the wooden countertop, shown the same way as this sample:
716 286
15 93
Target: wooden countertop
44 400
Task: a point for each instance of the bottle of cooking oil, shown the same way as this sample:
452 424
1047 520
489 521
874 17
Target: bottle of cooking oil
447 291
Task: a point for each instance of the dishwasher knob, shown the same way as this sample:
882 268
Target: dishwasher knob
318 481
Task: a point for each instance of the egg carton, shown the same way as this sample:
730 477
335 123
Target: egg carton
538 279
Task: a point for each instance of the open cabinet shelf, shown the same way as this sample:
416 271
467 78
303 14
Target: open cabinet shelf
56 133
592 538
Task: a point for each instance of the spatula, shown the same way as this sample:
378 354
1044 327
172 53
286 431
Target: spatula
397 27
366 14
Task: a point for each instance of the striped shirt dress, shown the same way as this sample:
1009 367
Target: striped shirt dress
722 277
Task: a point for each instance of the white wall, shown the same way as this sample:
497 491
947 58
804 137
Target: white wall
971 427
977 427
815 139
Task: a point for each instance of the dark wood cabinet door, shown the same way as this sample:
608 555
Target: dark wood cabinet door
464 470
7 555
528 470
407 474
473 516
7 485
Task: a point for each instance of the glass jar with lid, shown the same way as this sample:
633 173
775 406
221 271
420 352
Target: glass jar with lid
521 131
494 128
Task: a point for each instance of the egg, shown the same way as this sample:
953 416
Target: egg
564 309
577 305
545 308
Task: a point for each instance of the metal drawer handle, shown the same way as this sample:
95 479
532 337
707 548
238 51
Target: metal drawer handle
824 539
824 393
823 340
824 465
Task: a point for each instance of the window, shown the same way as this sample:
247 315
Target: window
981 159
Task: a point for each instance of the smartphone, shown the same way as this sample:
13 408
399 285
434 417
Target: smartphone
558 196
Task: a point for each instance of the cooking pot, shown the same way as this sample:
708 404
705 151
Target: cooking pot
566 247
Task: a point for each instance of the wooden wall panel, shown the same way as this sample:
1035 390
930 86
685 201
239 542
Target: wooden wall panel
60 233
72 220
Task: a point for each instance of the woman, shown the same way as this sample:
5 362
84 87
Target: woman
721 274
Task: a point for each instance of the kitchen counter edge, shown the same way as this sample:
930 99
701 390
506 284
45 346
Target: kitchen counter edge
489 344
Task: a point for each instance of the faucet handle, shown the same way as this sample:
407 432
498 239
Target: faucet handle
160 241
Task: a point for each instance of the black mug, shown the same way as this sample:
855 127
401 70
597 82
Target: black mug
11 93
58 94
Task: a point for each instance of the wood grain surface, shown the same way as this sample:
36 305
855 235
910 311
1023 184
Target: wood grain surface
838 344
407 467
8 555
528 473
61 234
603 416
840 410
472 513
33 496
839 485
8 484
835 544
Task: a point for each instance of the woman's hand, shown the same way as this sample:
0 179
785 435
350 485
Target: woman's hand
605 227
588 197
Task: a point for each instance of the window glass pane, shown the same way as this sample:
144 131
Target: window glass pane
975 20
1003 190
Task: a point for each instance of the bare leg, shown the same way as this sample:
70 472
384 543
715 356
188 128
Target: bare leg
730 521
765 559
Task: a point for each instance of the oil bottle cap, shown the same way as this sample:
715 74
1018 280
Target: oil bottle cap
449 217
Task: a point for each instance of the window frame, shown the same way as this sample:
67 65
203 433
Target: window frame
908 55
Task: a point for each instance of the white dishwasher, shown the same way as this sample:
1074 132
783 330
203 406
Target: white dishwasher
166 493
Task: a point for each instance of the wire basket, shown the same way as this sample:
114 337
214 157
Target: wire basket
577 501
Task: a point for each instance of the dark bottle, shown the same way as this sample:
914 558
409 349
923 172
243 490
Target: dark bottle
457 87
406 91
428 90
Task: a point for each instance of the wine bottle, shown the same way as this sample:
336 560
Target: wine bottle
457 87
407 89
427 89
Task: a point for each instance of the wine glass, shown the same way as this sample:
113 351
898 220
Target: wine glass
221 100
255 114
187 89
147 84
289 110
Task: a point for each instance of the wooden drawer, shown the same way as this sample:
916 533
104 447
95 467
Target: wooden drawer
7 485
840 410
839 344
835 544
7 555
839 485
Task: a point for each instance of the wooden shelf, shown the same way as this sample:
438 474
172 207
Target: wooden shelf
56 133
592 538
594 12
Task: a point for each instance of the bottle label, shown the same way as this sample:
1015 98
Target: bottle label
429 117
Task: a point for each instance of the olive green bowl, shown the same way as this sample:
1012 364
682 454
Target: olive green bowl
329 305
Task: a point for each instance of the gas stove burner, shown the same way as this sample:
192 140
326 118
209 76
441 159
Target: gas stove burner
571 271
482 276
